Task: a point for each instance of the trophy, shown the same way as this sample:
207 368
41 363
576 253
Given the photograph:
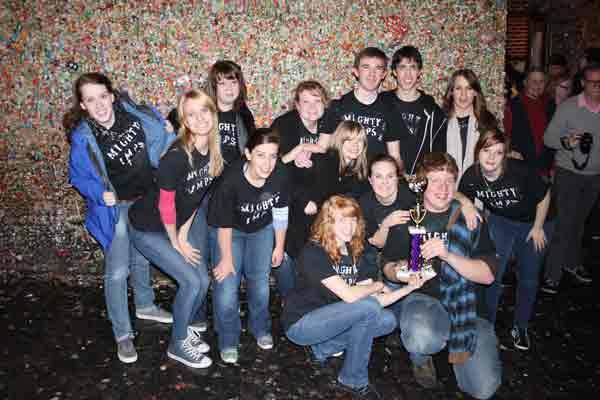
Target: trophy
416 263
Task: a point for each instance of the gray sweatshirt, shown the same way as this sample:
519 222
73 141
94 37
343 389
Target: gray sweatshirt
570 116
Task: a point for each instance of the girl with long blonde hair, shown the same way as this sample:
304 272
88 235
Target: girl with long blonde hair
169 226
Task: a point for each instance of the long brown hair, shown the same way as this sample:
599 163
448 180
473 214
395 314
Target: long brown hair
485 119
226 69
186 137
322 230
76 113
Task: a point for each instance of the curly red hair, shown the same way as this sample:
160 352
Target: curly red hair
322 230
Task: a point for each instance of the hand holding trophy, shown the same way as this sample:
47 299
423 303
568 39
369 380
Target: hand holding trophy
416 263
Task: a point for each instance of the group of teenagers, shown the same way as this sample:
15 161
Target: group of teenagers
320 199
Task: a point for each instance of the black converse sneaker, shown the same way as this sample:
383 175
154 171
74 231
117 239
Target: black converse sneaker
520 338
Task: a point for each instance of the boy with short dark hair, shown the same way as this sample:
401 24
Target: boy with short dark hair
364 106
422 120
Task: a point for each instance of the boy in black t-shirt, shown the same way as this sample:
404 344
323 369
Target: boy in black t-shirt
445 312
364 105
422 119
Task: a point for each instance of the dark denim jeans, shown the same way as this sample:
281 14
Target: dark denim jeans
350 327
200 233
509 238
285 275
192 280
252 260
425 328
123 260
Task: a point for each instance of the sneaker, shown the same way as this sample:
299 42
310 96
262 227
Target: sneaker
155 314
230 356
367 392
197 341
579 273
186 352
520 338
338 354
265 342
425 374
199 327
549 287
126 351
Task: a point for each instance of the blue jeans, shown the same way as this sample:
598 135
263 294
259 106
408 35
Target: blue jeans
425 328
285 275
509 238
192 280
199 231
251 254
122 260
345 326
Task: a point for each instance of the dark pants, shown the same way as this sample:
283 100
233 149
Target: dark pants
574 197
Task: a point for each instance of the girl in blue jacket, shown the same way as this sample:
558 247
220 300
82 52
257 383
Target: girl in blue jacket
115 145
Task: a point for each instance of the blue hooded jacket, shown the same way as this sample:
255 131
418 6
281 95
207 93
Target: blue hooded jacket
87 170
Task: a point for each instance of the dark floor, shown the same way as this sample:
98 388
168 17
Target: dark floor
59 346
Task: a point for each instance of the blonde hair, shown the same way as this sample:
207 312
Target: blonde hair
322 230
186 137
350 130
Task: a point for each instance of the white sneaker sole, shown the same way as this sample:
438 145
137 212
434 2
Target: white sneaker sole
228 360
149 317
127 360
204 363
265 347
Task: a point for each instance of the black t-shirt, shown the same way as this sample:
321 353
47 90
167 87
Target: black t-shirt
422 123
293 132
314 266
189 182
514 195
123 148
463 125
375 212
229 136
380 124
436 225
237 204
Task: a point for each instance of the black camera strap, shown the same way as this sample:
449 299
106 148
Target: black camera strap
584 164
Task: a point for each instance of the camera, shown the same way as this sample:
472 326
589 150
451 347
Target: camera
585 143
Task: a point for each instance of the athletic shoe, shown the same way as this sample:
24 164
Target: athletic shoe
579 273
155 313
549 287
425 374
197 341
230 355
367 392
188 353
126 351
520 338
265 342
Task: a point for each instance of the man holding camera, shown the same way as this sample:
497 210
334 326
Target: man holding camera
575 133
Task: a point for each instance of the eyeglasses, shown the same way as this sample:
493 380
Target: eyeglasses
595 83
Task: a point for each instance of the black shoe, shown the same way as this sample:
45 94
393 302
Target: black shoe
580 274
549 287
425 374
312 360
392 341
520 338
367 392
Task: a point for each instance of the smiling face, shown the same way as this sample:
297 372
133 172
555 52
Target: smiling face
370 72
197 117
98 102
262 160
407 74
310 106
491 159
352 148
344 227
535 84
440 190
463 96
384 181
228 90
